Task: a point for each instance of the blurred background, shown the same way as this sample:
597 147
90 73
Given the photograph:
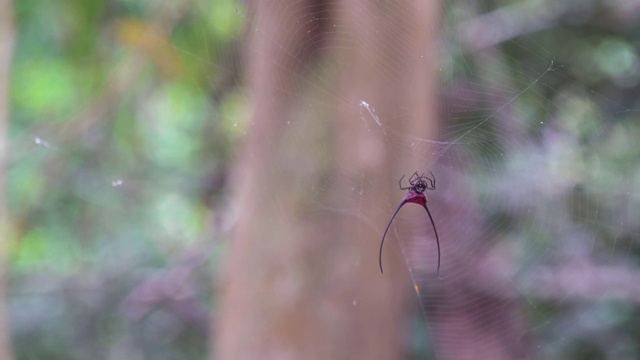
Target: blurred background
200 179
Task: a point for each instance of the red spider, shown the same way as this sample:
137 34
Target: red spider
417 186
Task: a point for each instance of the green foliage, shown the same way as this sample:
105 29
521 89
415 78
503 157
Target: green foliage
563 190
118 140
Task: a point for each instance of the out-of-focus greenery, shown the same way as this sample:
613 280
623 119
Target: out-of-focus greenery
122 115
557 169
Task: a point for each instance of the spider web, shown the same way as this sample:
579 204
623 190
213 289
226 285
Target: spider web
536 206
537 202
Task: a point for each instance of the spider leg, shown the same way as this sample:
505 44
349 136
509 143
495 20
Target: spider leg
385 232
437 239
400 183
431 185
415 175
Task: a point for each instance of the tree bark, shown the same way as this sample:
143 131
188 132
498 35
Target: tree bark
293 286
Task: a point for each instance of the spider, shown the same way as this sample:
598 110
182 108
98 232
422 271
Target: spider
418 184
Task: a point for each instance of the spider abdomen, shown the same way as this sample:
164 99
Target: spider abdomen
416 197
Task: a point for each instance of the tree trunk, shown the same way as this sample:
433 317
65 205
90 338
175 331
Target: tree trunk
290 289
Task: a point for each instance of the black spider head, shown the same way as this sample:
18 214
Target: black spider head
419 183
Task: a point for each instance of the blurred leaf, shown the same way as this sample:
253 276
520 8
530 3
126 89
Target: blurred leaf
44 250
224 18
149 40
44 89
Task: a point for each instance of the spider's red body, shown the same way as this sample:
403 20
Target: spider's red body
415 197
